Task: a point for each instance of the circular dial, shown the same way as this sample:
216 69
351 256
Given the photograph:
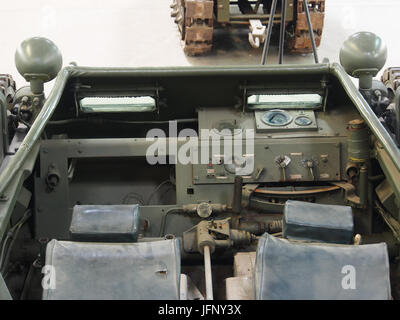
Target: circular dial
303 121
277 118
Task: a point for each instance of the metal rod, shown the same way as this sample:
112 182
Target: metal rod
257 6
282 34
310 30
208 274
363 185
269 32
237 195
260 16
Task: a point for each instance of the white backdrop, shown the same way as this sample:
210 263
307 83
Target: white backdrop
141 32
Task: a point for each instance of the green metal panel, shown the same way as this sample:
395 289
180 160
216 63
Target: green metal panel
290 8
180 92
224 14
223 11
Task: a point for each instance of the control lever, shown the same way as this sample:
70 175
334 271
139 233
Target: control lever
258 172
208 274
310 165
209 235
283 162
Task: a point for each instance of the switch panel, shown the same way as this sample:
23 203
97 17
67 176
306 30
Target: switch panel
275 162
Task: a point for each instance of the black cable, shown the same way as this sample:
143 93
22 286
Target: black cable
164 219
133 195
156 189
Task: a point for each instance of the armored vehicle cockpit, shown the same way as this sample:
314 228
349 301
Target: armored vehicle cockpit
246 182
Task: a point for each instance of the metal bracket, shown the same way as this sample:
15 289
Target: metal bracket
247 191
350 192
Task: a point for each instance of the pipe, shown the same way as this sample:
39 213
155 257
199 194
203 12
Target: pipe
282 33
237 195
164 219
269 32
363 185
311 30
208 274
314 191
3 116
102 121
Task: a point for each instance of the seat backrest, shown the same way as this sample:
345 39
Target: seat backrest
105 223
297 270
121 271
317 222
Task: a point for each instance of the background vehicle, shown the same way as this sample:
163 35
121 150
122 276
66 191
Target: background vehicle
196 20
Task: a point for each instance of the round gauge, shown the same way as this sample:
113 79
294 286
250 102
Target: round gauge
303 121
277 118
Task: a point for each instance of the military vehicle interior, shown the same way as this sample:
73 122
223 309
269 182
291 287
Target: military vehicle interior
89 184
237 183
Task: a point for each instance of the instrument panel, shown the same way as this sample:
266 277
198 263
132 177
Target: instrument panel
275 162
285 120
290 145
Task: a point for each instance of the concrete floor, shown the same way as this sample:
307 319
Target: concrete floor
135 33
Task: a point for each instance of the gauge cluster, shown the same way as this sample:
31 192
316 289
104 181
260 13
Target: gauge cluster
285 120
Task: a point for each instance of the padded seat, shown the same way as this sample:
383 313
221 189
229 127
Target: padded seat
106 223
121 271
317 222
297 270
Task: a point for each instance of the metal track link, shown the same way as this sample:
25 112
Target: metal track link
300 41
195 22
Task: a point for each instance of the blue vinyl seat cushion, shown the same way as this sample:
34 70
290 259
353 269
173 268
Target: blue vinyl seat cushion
317 222
286 270
108 271
106 223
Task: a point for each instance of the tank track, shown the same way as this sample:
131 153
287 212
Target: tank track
195 23
298 39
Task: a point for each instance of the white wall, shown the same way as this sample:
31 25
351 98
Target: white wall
141 32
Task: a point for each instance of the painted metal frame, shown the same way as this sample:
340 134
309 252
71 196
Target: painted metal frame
21 165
